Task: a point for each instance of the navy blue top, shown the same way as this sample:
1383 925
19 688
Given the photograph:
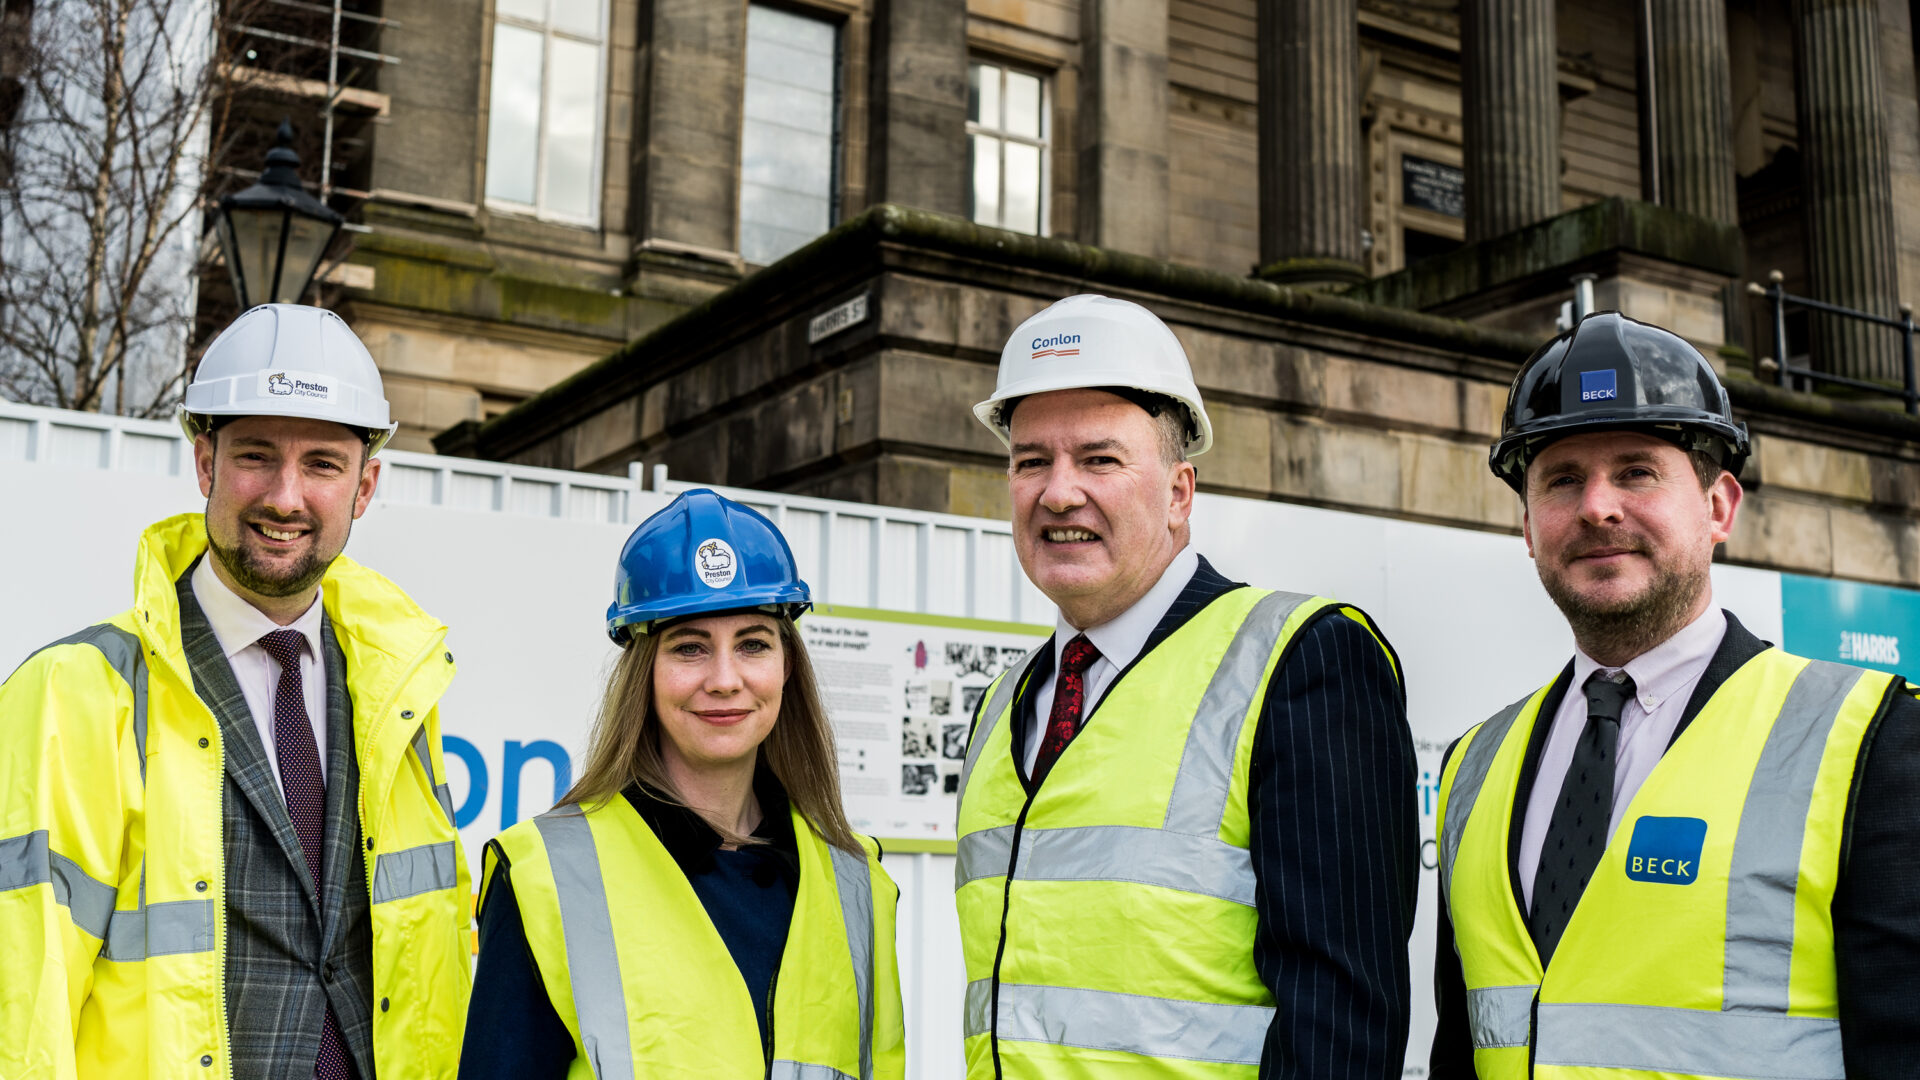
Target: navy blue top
513 1032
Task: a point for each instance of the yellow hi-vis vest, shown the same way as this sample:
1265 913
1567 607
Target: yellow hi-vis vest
637 972
113 929
1122 940
1703 945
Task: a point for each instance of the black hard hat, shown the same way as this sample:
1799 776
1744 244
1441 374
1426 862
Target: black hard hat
1614 373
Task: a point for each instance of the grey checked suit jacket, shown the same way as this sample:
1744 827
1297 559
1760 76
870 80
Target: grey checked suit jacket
289 951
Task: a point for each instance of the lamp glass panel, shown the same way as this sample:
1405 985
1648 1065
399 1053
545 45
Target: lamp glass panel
256 244
306 243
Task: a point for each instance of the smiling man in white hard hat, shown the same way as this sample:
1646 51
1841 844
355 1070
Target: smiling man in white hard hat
225 849
1187 833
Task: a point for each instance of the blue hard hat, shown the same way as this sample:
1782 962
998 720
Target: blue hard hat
701 555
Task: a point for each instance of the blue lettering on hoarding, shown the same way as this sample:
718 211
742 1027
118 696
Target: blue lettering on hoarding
514 756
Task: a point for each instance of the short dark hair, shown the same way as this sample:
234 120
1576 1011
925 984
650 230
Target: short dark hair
1706 466
1172 422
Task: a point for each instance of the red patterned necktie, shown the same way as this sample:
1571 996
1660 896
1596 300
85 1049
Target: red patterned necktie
299 757
1069 703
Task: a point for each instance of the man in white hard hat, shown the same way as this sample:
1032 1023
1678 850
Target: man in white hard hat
225 849
1187 838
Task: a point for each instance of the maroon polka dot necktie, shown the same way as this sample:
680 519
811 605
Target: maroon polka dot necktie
299 757
1069 703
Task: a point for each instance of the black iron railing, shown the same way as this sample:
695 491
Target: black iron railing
1797 378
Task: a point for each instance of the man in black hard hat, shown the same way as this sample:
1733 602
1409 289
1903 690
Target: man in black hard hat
1690 853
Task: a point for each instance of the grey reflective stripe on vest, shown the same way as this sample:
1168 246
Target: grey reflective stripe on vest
799 1070
593 966
855 886
1132 1023
128 658
423 749
1467 781
1204 865
1199 800
996 706
427 868
1690 1042
1766 849
1500 1016
27 860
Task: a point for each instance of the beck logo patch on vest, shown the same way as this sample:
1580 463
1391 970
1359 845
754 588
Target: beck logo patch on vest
1603 385
1666 850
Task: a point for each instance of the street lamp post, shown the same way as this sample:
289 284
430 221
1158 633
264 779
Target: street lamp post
274 234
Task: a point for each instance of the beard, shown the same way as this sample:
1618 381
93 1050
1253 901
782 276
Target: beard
255 575
1623 628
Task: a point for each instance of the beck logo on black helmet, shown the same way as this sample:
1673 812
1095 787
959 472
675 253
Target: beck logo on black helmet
1612 372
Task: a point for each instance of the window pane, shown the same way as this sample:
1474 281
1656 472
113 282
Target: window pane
787 137
513 121
1023 188
577 17
532 10
572 109
1023 105
983 94
985 152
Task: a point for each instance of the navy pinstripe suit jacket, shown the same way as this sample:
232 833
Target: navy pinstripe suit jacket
1336 844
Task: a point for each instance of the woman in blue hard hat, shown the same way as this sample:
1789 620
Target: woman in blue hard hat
697 905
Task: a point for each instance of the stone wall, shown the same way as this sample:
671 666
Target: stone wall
1315 399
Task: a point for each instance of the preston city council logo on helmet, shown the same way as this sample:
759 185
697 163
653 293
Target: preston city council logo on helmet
713 560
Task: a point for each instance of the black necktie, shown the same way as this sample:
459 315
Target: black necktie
1578 832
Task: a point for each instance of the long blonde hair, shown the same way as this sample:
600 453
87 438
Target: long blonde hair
625 745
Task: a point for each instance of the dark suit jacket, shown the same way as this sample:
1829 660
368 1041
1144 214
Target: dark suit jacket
290 951
1876 909
1336 843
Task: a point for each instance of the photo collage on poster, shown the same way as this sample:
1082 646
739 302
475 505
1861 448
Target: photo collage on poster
901 690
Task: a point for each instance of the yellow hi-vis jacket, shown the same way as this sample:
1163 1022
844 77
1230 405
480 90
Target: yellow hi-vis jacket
643 982
113 927
1121 942
1703 945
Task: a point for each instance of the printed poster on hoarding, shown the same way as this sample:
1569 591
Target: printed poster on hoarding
901 690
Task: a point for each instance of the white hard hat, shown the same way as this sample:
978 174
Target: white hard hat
289 360
1089 342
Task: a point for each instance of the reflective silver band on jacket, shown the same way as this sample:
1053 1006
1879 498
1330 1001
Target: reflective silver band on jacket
593 965
410 872
1751 1035
1204 865
1134 1023
128 658
423 749
164 929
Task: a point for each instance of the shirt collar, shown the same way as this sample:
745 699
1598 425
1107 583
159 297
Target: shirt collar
1668 667
1121 638
237 624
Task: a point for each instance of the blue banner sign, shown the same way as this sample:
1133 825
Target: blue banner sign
1871 626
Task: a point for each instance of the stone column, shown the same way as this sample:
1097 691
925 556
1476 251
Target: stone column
1692 93
1510 101
691 79
1847 184
1312 177
1124 184
919 105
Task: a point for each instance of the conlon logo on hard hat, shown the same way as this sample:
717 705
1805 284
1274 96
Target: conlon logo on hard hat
1053 346
299 385
713 560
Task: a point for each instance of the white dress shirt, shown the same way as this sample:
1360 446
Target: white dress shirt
239 626
1119 641
1663 681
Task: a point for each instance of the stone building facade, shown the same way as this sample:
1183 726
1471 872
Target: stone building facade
643 232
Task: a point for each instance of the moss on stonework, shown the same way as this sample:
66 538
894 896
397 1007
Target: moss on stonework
419 274
1558 246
